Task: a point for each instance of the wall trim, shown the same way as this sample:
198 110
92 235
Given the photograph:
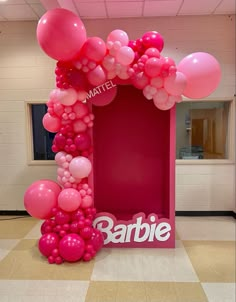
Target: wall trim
177 213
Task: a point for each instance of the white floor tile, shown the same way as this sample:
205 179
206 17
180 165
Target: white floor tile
220 292
144 265
35 233
43 291
6 245
206 228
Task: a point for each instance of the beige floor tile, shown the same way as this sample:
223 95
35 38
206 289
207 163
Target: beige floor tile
16 228
213 261
6 245
220 292
145 292
26 262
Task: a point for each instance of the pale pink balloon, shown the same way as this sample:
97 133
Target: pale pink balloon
69 200
202 72
59 156
157 82
175 84
140 80
87 202
51 123
80 167
153 66
160 97
97 76
170 102
82 95
108 62
94 49
118 35
61 34
125 55
67 97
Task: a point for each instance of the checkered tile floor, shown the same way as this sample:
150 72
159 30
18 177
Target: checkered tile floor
200 268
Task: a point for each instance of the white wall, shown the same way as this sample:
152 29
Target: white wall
26 73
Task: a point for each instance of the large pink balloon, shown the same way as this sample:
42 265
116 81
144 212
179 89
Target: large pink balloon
51 123
61 34
40 199
202 72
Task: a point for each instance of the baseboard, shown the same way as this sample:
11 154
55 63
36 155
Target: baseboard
205 213
177 213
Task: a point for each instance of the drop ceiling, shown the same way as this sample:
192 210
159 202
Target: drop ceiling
15 10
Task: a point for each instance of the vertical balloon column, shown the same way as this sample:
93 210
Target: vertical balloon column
66 206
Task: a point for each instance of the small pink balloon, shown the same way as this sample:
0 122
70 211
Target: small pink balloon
152 52
51 123
202 72
94 49
87 202
47 243
153 39
118 35
71 247
97 76
125 55
140 80
67 97
69 200
96 240
61 34
82 141
175 84
160 97
153 67
80 167
79 126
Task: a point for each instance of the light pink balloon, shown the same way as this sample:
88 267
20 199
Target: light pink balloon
80 167
118 35
160 97
97 76
87 202
94 49
79 126
51 123
175 84
69 200
125 55
170 102
157 82
202 72
67 97
140 80
61 34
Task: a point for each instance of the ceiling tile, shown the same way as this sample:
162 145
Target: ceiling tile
17 12
32 1
92 10
190 7
124 9
161 8
9 2
226 7
38 9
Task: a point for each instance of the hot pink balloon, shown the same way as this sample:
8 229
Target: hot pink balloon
39 200
82 141
71 247
69 200
105 97
152 67
47 243
153 39
175 84
61 34
140 80
202 72
97 76
94 49
80 167
51 123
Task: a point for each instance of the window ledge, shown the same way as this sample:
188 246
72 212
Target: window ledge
42 163
204 162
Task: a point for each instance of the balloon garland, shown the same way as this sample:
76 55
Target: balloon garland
87 72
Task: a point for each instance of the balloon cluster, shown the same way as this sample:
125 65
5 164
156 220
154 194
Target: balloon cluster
86 72
70 236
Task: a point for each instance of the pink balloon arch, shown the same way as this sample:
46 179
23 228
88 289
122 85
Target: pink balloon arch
86 72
